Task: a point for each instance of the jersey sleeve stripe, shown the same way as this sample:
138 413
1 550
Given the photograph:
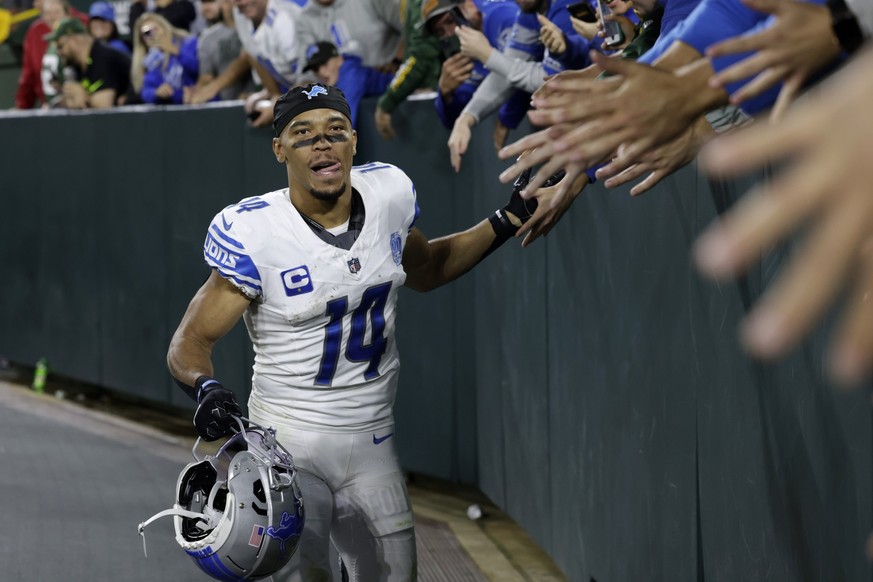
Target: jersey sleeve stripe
226 238
231 261
250 289
371 167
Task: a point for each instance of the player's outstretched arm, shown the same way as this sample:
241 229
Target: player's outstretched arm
212 313
431 264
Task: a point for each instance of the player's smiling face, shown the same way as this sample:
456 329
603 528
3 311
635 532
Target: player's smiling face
318 147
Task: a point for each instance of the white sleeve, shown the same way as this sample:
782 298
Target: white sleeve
224 251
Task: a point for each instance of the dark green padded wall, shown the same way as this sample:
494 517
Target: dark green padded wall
592 385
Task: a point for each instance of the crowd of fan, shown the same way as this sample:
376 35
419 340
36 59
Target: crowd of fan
639 100
257 49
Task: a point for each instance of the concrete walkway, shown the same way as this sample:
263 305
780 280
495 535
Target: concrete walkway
76 483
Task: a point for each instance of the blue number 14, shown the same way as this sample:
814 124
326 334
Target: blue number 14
372 307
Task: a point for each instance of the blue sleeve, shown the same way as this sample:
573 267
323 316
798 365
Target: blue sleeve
661 45
525 36
449 112
715 20
443 111
120 46
150 83
497 23
708 22
675 11
514 109
376 82
352 81
756 104
358 81
188 57
712 21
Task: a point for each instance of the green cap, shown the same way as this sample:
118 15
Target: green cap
66 27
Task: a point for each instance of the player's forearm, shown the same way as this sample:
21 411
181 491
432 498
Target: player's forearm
187 359
451 256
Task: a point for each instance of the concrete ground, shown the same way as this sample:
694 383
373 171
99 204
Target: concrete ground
77 477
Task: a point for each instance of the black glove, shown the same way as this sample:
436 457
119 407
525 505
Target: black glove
518 206
216 407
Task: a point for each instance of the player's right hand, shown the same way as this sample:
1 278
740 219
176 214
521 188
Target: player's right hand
215 410
553 200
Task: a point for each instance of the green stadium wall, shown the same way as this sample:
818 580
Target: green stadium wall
591 385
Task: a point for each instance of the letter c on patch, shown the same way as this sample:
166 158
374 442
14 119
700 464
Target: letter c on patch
297 281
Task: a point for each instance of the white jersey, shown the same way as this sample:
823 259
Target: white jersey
274 42
321 318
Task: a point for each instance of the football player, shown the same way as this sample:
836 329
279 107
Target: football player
314 270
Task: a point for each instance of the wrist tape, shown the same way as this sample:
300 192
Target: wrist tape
204 384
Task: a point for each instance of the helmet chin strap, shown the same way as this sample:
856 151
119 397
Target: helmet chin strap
240 420
172 511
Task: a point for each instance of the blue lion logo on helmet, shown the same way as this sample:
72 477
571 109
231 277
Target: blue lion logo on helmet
289 527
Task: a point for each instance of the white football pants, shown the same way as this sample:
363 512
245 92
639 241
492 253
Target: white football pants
354 495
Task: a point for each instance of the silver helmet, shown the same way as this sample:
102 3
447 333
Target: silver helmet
238 513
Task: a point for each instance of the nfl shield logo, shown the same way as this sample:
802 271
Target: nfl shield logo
354 265
396 248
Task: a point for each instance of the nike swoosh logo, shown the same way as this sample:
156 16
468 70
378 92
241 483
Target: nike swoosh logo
226 224
380 440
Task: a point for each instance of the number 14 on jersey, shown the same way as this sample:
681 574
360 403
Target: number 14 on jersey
371 310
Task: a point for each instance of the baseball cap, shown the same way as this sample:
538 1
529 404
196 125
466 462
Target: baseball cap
318 54
103 11
66 27
433 8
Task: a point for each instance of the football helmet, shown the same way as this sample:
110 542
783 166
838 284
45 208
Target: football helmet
238 513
